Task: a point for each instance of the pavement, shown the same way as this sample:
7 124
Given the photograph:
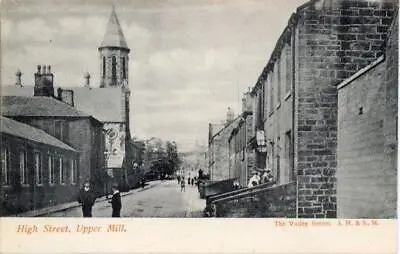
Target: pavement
47 211
159 199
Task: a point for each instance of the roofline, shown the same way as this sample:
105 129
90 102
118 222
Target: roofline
70 149
361 72
292 21
225 127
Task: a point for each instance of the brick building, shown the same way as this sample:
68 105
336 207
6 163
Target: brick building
73 127
218 149
37 170
296 99
367 141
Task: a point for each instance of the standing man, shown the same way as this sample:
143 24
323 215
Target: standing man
116 202
86 198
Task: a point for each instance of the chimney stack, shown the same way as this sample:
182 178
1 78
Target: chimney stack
87 79
18 75
230 115
44 82
247 102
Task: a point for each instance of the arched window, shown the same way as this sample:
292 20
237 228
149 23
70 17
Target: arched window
104 66
123 68
114 68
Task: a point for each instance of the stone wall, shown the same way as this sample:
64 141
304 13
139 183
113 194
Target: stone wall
219 147
270 202
16 197
367 156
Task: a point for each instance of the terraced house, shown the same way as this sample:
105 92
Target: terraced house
296 112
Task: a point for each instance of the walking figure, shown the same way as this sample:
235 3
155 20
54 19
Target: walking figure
86 198
179 179
192 181
188 180
183 185
116 202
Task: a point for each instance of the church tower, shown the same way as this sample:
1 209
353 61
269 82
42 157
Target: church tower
114 55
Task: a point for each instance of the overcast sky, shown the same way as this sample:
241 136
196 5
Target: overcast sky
190 59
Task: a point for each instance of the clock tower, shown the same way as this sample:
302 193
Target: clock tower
114 55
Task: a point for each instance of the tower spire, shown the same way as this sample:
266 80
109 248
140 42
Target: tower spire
114 55
114 37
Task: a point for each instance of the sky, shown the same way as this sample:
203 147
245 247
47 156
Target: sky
190 59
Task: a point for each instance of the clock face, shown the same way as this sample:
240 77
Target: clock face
112 133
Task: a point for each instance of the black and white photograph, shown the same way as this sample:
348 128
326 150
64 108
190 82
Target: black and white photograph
199 109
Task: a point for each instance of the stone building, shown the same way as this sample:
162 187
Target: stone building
107 101
241 152
367 141
37 169
218 148
110 102
296 101
75 128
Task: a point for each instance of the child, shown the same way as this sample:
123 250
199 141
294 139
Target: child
116 202
183 185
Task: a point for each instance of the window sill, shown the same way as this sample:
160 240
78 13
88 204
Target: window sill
278 106
24 185
39 184
288 95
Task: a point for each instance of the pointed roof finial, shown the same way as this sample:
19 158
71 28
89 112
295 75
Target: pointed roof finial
114 37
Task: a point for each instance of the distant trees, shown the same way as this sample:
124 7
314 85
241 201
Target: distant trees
157 158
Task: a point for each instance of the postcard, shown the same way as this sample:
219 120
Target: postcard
199 126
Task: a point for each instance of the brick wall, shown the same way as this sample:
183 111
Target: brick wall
270 202
333 41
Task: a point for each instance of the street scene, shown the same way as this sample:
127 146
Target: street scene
190 109
162 199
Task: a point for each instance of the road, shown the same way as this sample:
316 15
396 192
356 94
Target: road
163 200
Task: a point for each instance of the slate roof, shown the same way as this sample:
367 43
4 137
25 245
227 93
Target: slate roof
114 37
37 106
21 130
15 90
104 104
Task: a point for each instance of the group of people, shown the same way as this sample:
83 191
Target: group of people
190 181
87 198
256 179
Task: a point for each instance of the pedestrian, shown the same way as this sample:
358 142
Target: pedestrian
254 180
189 180
86 198
116 202
183 185
179 179
142 182
192 181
